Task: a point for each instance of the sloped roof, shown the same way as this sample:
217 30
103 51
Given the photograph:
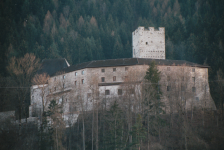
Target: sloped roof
129 62
51 66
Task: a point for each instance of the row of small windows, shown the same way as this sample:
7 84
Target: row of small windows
182 69
114 69
146 43
152 56
119 92
182 78
182 88
82 81
103 79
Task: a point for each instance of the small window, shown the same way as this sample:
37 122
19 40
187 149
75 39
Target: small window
168 78
76 73
193 69
193 89
83 81
63 76
82 72
114 78
102 70
119 91
63 85
60 101
114 69
89 95
55 79
168 88
132 91
182 88
107 92
126 68
146 43
168 68
102 79
75 82
193 79
197 98
55 88
182 78
126 78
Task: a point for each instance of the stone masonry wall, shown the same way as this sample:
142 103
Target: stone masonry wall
148 43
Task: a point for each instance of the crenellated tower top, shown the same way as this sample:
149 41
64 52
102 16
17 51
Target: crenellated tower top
148 43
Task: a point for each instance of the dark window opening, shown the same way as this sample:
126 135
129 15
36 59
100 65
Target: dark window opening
193 79
82 81
107 92
102 70
114 78
102 79
119 91
168 78
182 88
114 69
168 88
126 68
193 89
132 91
193 69
88 95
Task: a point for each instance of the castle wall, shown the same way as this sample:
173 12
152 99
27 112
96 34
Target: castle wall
148 43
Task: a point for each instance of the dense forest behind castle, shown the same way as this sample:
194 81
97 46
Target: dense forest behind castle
84 30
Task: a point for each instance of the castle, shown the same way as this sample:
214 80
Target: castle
80 87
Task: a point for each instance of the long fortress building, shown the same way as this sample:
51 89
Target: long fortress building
79 87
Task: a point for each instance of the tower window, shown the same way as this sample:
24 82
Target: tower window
193 79
63 76
126 68
82 72
75 82
76 73
102 70
146 43
83 81
193 69
114 69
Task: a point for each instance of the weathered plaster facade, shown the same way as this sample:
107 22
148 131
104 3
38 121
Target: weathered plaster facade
148 43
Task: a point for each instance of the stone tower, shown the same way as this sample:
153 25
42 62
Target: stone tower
148 43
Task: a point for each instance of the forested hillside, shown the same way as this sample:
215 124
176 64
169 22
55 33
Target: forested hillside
84 30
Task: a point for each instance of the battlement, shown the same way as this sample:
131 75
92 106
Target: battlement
151 29
149 43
